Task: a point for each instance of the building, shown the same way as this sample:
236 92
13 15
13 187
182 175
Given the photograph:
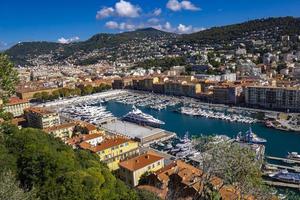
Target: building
122 84
183 177
145 135
272 97
93 139
113 150
227 94
182 88
41 118
16 106
28 93
62 131
131 170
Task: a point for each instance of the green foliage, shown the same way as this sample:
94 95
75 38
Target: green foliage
146 195
56 170
6 116
8 77
68 92
225 34
10 190
236 165
86 90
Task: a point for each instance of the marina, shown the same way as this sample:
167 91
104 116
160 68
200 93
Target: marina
119 103
155 121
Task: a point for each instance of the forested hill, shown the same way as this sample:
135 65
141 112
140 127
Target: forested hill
272 27
142 41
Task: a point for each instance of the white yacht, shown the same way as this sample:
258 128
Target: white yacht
137 116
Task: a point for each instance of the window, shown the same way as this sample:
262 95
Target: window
149 167
158 163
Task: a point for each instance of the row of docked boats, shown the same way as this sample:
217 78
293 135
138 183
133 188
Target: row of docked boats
181 148
153 101
216 115
92 114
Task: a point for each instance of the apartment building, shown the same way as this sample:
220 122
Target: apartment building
16 106
62 131
113 150
227 94
41 118
131 170
278 98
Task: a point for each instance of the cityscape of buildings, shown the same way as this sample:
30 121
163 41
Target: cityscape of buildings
251 78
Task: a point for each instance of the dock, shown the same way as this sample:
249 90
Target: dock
282 184
296 169
286 160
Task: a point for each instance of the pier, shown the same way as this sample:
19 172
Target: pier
282 184
286 160
296 169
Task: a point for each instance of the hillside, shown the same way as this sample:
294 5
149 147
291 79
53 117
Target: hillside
25 53
149 43
270 27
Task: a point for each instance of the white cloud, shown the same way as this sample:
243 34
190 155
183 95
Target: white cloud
165 27
105 12
121 9
126 26
175 5
168 26
120 26
157 12
153 20
63 40
187 5
184 29
112 25
126 9
181 28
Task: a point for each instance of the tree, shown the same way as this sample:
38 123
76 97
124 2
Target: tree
10 190
8 77
6 116
37 96
237 166
56 170
87 90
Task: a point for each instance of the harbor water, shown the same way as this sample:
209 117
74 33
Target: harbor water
279 143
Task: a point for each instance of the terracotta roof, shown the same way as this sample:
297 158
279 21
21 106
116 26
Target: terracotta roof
16 100
82 138
140 161
91 136
105 144
61 126
39 110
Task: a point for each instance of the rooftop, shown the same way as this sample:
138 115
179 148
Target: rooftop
130 129
105 144
39 110
61 126
141 161
16 100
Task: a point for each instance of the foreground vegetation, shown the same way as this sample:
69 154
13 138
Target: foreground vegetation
67 92
45 168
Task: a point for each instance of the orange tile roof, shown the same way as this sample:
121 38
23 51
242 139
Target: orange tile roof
140 161
39 110
16 100
82 138
91 136
107 143
58 127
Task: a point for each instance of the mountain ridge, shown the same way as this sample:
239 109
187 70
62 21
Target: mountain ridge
24 52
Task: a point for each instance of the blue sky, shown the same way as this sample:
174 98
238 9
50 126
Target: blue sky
66 21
